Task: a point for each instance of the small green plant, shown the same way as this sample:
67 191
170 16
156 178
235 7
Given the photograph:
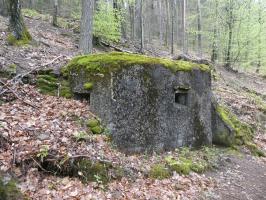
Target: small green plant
98 179
181 166
44 152
80 136
159 171
95 126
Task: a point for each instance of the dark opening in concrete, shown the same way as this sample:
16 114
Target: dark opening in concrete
82 96
181 97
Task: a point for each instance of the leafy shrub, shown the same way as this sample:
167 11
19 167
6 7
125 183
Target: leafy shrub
107 22
159 171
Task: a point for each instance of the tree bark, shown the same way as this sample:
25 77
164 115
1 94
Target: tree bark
173 5
160 22
55 13
4 10
214 55
259 36
199 35
16 23
184 34
141 27
86 31
230 22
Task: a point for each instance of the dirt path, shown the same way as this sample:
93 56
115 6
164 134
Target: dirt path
241 179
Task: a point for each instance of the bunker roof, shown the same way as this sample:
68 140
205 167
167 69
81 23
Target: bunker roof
109 62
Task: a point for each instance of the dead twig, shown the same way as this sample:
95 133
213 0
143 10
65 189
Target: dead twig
18 97
39 165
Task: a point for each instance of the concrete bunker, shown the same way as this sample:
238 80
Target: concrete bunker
148 104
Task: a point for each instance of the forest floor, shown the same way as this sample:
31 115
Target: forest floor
34 120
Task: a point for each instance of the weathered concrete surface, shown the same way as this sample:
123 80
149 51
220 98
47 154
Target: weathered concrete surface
222 133
152 108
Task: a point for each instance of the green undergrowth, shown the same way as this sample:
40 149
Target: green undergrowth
258 101
100 64
243 132
31 13
8 71
160 171
24 40
49 84
10 191
85 169
186 161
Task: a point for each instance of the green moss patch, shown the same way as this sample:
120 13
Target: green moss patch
88 86
100 64
243 132
85 169
181 166
185 162
9 191
50 84
95 126
24 40
159 171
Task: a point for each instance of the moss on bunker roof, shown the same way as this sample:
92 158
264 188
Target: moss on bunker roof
108 62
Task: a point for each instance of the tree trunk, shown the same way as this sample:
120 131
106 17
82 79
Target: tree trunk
199 36
173 5
16 23
259 36
184 34
132 20
55 13
230 22
214 55
141 27
160 22
168 18
4 8
86 33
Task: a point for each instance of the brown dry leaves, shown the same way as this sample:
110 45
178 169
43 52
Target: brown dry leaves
53 124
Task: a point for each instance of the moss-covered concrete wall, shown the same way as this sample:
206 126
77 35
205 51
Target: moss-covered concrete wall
147 103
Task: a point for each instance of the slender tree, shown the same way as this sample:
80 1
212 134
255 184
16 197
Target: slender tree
55 13
141 27
160 22
259 36
86 28
4 8
230 26
184 27
214 54
17 26
173 11
199 34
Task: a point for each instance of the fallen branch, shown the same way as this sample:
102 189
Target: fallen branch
115 47
36 68
18 97
20 76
